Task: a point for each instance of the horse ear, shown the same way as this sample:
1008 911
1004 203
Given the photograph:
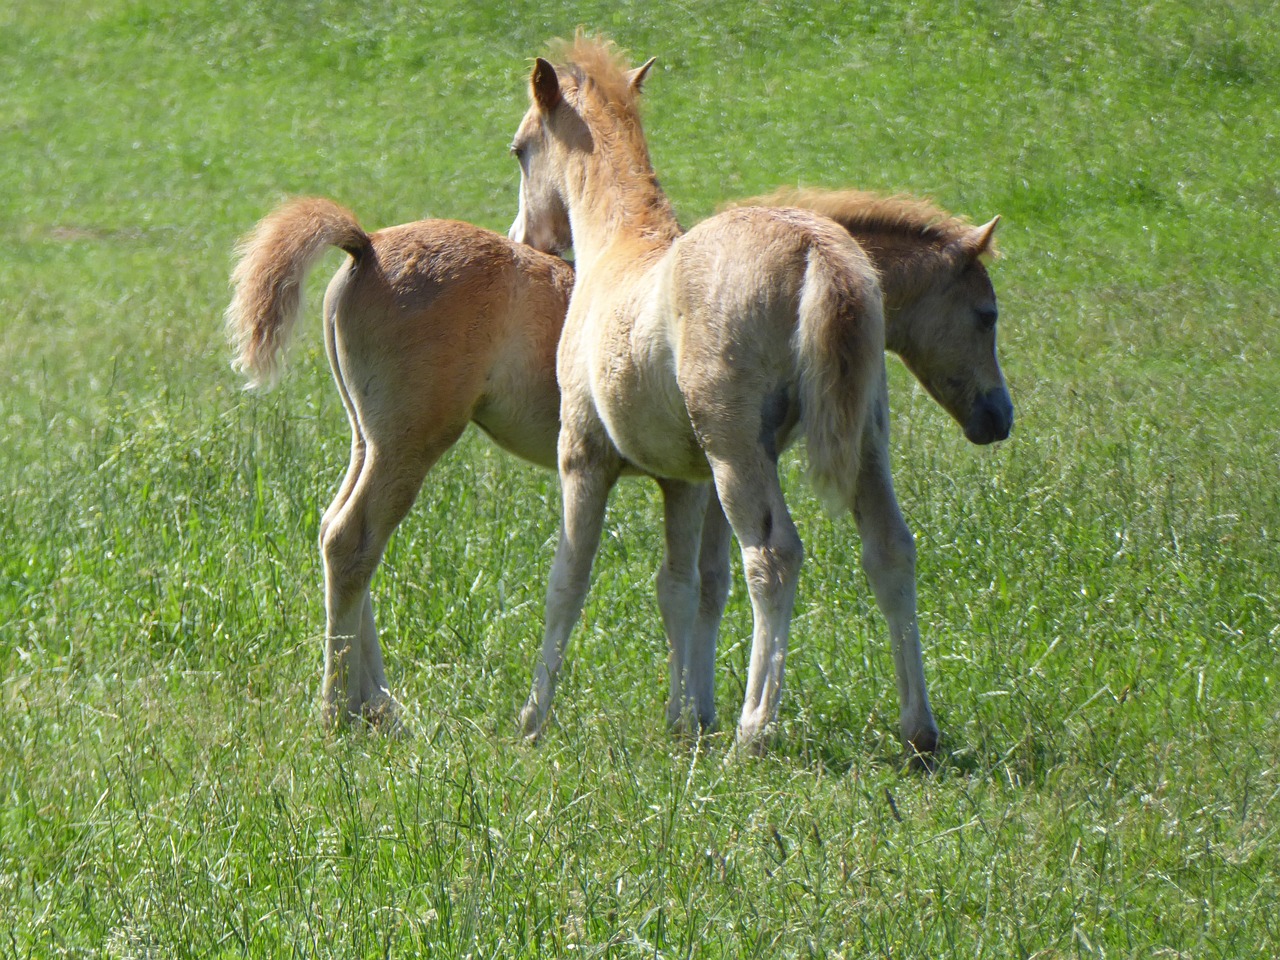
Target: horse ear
979 240
544 86
635 78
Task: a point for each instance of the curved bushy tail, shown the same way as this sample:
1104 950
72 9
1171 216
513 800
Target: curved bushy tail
840 348
273 261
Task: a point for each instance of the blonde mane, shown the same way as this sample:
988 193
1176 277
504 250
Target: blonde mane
864 213
600 63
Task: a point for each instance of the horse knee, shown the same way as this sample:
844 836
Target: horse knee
675 575
673 583
890 553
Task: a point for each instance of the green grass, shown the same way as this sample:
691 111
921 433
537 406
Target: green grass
1099 595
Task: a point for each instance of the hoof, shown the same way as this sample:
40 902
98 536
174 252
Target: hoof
924 741
530 722
753 740
688 722
384 714
922 749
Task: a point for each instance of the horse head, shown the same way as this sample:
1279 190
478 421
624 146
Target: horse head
946 336
554 138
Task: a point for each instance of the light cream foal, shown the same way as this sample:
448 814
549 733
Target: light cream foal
699 357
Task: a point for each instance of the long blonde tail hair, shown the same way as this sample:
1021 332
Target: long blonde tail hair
273 262
840 347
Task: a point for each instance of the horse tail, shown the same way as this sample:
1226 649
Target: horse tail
840 349
273 261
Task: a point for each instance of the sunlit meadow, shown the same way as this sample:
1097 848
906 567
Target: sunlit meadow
1099 593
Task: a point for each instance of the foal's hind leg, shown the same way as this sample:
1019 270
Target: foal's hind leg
771 557
889 559
354 541
713 581
334 651
678 594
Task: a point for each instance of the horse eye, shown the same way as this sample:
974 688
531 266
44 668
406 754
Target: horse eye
987 317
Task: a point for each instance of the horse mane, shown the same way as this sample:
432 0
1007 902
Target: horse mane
599 62
863 213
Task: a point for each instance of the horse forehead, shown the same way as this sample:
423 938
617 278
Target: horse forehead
529 124
974 282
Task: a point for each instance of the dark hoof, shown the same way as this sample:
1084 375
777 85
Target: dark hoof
922 751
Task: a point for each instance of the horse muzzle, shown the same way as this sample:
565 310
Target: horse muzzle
518 231
991 417
540 239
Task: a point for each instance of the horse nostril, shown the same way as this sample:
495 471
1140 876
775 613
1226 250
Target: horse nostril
991 418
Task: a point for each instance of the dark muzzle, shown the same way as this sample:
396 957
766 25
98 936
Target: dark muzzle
991 418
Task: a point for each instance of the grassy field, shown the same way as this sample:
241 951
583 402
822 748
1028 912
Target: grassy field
1100 595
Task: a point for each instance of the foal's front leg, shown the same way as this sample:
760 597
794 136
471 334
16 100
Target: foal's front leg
588 472
889 559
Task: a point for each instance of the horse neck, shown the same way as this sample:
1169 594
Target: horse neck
615 198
